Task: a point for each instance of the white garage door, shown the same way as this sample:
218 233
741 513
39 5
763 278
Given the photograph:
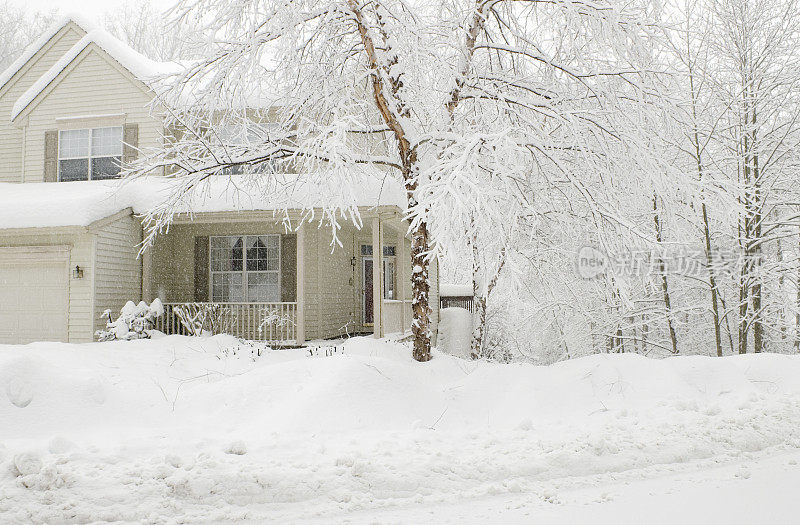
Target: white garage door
34 291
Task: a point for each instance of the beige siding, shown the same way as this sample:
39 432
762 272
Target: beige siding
310 290
334 286
118 274
80 290
93 85
10 134
173 255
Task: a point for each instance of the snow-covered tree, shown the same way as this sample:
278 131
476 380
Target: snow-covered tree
149 31
448 97
17 30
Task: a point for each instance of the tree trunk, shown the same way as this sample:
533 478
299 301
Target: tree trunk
420 293
712 281
664 283
758 326
481 298
477 350
797 306
743 303
706 229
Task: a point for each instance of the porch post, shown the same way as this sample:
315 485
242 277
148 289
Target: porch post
377 277
300 284
147 275
400 269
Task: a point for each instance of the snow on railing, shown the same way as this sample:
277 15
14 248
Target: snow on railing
270 322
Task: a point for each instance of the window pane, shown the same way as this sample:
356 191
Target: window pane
226 287
366 249
388 279
263 287
256 254
388 251
226 254
106 167
73 143
106 142
263 253
237 254
69 170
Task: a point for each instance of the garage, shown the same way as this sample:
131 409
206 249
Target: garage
34 293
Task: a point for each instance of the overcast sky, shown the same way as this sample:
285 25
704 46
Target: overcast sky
92 8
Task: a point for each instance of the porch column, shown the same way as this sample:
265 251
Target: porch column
301 284
400 269
377 277
147 275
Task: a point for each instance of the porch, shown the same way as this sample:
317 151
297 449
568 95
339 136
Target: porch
274 323
247 275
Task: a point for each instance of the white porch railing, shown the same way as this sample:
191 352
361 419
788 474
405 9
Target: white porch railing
396 315
270 322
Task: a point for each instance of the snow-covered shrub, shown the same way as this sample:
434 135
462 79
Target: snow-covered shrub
213 318
273 318
134 322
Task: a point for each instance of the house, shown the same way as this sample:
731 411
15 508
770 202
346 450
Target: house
73 107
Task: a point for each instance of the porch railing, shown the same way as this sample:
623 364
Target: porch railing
270 322
467 302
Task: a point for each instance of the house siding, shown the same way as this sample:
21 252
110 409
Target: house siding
311 269
93 85
11 135
118 274
334 297
173 255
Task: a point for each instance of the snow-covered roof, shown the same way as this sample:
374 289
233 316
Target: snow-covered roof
141 67
455 290
58 204
40 42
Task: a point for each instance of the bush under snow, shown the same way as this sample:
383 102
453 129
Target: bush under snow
134 322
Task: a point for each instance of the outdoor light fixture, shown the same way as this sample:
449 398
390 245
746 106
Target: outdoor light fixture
353 262
77 272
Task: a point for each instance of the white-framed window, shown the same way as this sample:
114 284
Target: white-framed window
389 253
245 268
89 154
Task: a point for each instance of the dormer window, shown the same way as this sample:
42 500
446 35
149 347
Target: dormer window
89 154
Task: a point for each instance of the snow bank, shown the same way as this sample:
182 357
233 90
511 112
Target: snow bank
82 203
179 429
455 331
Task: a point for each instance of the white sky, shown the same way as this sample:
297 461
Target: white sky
91 8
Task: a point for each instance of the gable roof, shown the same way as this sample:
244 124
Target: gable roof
142 68
42 41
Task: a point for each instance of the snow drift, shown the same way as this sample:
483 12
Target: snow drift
197 428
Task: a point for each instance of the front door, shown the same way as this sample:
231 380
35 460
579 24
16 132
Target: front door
366 280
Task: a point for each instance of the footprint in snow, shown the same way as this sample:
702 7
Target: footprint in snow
19 392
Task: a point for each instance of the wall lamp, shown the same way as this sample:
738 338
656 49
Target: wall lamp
77 272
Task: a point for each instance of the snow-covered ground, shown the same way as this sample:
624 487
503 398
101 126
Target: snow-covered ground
184 430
